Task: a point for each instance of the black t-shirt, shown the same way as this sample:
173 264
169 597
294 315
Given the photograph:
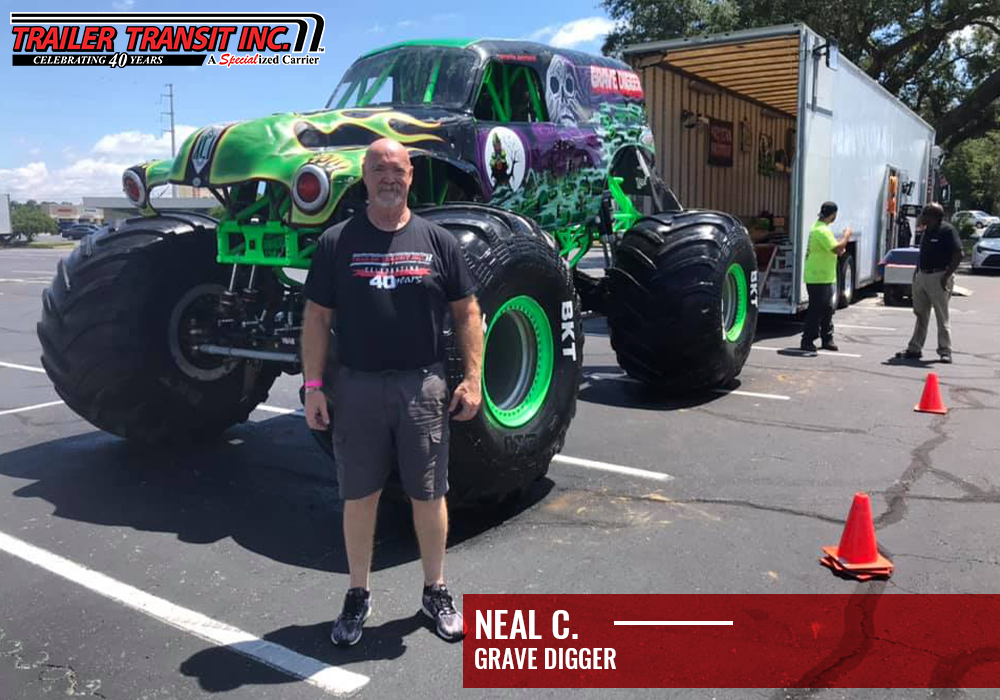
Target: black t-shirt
391 290
937 245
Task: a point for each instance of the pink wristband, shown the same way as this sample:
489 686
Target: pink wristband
314 384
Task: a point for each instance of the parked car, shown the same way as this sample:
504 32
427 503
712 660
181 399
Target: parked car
77 232
986 253
979 219
897 269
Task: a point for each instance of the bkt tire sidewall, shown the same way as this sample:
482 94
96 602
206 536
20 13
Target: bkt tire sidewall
550 290
740 251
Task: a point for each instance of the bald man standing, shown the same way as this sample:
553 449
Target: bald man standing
391 277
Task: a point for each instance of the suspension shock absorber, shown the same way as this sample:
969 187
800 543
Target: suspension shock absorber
230 306
249 294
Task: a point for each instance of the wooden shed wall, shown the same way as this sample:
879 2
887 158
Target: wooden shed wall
682 154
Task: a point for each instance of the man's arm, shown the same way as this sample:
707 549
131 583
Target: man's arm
315 344
468 322
840 247
956 258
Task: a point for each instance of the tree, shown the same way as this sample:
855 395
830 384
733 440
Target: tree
940 57
973 171
29 219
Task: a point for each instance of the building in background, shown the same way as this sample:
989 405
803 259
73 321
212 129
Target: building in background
117 208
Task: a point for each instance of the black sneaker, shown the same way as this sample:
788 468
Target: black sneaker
357 609
908 355
439 606
807 346
829 345
946 358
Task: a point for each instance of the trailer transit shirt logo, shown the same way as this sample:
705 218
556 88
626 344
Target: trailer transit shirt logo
166 38
390 270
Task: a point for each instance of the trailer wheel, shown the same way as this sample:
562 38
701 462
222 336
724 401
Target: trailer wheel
532 360
845 281
111 334
682 305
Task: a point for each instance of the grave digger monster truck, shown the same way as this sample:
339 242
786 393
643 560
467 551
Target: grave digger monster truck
175 326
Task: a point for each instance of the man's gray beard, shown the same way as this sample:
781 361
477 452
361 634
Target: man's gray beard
388 200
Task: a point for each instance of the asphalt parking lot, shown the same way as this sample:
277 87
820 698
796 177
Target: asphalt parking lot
729 492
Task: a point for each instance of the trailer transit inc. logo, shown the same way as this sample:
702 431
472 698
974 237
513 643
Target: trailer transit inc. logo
166 38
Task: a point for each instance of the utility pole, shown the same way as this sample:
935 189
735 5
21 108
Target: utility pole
173 144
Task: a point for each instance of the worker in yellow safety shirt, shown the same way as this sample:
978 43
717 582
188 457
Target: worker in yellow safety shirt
821 279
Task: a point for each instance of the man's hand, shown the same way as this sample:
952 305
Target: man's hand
945 279
317 416
469 395
847 233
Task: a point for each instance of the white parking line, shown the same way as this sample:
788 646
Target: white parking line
29 408
622 377
330 679
867 328
615 468
34 272
18 280
796 351
26 368
753 394
277 409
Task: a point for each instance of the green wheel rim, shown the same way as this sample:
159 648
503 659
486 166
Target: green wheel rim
517 361
734 303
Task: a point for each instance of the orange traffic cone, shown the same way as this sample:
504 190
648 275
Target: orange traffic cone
857 554
931 401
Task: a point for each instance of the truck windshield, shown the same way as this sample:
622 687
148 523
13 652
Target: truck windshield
409 75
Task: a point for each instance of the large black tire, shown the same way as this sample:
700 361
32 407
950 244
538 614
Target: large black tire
491 458
668 317
108 334
846 280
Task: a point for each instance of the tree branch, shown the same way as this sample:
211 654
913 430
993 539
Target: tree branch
974 109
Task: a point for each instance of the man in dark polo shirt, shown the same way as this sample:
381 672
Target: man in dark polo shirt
940 255
391 276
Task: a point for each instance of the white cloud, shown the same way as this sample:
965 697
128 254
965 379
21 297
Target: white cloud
405 23
97 174
575 33
544 32
139 146
34 151
123 5
89 176
376 29
444 17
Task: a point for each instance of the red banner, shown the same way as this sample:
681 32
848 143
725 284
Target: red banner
732 641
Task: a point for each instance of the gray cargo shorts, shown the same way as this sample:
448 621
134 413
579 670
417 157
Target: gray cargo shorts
384 419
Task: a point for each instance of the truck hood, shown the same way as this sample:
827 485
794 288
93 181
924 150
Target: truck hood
274 148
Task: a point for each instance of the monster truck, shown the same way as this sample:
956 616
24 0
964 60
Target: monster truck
175 326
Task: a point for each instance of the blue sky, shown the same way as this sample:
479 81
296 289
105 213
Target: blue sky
70 131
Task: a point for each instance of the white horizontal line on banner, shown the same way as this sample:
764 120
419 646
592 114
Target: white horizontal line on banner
673 623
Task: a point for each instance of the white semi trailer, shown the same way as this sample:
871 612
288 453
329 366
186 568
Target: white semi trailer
769 123
6 231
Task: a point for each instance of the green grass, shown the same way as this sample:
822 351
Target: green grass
56 245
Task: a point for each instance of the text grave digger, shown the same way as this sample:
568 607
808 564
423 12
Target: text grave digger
729 641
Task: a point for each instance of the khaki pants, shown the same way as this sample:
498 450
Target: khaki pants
929 294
